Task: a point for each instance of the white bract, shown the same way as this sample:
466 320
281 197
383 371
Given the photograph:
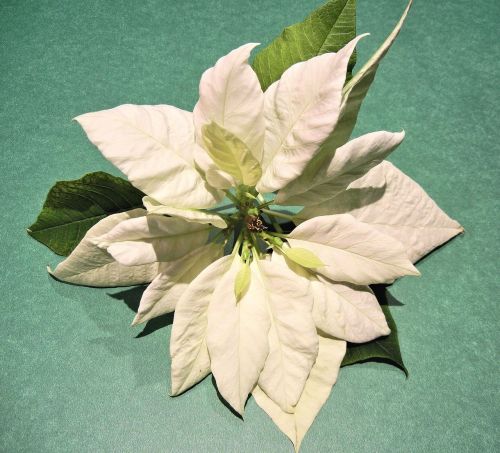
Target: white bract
272 316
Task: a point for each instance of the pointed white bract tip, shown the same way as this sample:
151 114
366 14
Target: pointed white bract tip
174 391
137 320
49 270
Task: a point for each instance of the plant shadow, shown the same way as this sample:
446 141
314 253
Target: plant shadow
132 298
384 297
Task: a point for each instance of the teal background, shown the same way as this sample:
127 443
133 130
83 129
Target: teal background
74 375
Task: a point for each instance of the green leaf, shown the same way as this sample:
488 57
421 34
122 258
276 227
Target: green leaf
242 281
73 207
303 257
231 155
385 349
327 29
354 93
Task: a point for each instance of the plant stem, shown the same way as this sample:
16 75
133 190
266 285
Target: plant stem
277 214
237 243
232 197
280 235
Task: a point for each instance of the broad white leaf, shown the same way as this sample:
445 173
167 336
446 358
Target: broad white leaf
316 391
301 109
173 278
400 208
152 238
153 146
190 215
349 163
92 266
237 336
293 342
230 154
230 95
188 342
347 312
354 92
351 250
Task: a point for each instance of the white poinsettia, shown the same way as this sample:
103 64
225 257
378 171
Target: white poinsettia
272 317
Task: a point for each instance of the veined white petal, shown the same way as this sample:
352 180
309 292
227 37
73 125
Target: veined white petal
352 251
349 163
190 215
301 109
293 343
237 336
153 146
316 391
230 95
400 208
173 278
152 238
347 312
188 346
92 266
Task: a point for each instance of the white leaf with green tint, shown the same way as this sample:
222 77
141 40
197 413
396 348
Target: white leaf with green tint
301 109
354 93
237 334
317 389
242 281
188 346
153 146
302 256
173 278
230 154
92 266
351 161
293 342
152 238
399 208
327 29
351 250
230 95
190 215
347 312
213 175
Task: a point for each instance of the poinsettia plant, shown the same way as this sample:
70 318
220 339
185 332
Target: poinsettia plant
255 218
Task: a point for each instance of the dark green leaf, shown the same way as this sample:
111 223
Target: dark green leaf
72 207
327 29
383 349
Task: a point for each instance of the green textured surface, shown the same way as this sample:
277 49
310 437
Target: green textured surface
74 377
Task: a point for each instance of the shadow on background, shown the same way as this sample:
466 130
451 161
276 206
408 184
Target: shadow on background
132 297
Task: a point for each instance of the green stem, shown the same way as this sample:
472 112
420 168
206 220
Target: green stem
232 197
237 243
280 235
220 208
278 214
266 204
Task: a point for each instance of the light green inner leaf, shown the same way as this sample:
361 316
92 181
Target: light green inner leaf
242 281
231 155
303 257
